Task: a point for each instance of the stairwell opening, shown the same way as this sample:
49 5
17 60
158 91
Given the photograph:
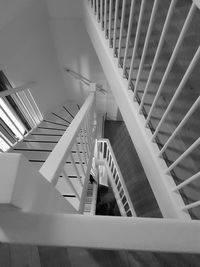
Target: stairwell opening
133 173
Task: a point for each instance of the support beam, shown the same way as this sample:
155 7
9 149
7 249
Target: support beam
23 187
101 232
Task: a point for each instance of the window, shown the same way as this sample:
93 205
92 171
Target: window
18 115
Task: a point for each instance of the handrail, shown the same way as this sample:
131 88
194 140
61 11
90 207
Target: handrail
106 156
76 146
100 232
53 166
153 86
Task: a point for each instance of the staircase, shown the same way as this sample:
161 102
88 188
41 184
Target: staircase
150 53
38 145
143 75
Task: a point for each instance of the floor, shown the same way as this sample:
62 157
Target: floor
30 256
133 173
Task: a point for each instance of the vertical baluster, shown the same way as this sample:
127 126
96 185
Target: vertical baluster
110 22
25 111
97 147
172 59
185 154
76 169
121 30
94 6
5 140
192 205
103 150
110 160
137 36
107 154
179 89
130 22
115 26
112 167
27 104
188 181
17 130
40 117
105 18
159 47
34 114
101 13
98 10
147 39
181 124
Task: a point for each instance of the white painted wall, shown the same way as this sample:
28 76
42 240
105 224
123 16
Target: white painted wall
161 184
75 51
27 51
38 40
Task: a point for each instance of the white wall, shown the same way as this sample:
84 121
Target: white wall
27 51
75 50
39 38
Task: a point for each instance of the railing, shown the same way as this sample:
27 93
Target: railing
66 230
19 115
33 212
160 60
73 155
91 200
105 156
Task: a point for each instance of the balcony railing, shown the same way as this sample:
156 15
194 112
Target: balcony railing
106 157
32 211
74 151
156 45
